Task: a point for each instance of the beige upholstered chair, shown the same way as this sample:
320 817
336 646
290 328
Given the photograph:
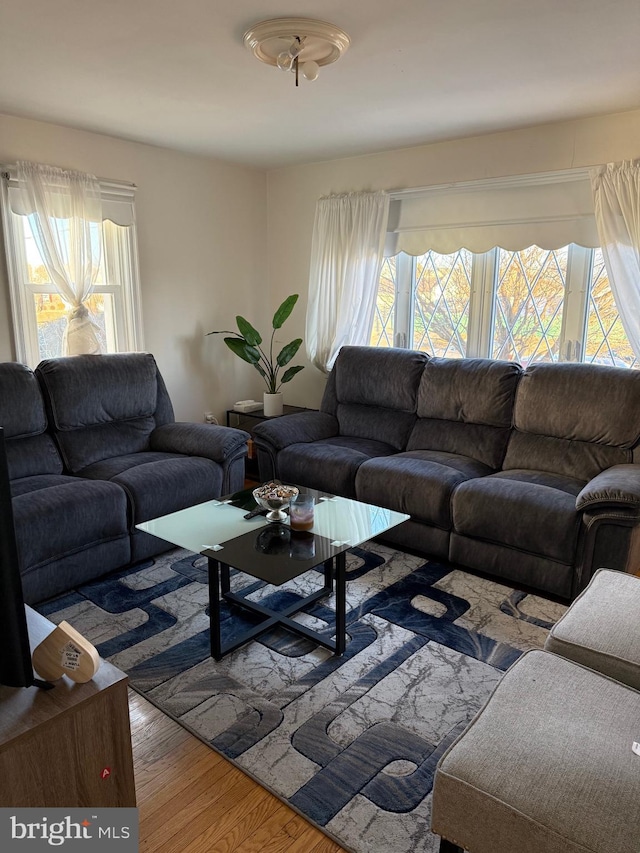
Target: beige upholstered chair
549 765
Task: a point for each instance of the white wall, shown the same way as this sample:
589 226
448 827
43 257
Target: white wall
292 193
202 242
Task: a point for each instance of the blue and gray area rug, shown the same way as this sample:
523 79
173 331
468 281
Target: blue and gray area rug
350 742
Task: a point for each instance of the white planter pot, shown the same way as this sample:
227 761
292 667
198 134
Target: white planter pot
272 404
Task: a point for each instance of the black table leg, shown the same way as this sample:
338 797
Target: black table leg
225 578
214 607
341 602
328 575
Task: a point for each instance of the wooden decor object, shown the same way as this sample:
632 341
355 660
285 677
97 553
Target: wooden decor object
66 652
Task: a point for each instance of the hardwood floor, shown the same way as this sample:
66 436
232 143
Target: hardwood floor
193 800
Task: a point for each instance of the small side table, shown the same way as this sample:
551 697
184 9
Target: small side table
247 421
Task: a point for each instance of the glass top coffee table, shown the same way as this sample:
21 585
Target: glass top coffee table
275 554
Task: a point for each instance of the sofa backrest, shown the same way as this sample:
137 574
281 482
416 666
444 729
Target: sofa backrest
575 419
30 450
101 406
373 393
465 406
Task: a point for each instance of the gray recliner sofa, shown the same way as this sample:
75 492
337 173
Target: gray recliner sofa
92 449
528 475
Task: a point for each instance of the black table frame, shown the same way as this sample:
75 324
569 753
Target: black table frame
220 587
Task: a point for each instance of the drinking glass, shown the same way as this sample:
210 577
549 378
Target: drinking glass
301 511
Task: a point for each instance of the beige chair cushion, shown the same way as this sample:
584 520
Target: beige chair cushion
601 629
546 767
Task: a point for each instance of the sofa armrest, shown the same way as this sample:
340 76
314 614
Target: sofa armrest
294 429
616 486
218 443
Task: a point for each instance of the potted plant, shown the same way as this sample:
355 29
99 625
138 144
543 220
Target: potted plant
246 343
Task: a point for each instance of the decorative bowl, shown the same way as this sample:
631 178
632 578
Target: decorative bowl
274 497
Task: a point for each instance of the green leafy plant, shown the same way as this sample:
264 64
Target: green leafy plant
246 343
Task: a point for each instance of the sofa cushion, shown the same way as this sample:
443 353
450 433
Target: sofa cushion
329 465
56 515
22 415
33 483
100 406
469 390
580 459
465 406
83 447
107 469
374 376
87 390
35 454
486 444
534 511
592 412
22 409
558 400
419 482
375 423
373 393
160 483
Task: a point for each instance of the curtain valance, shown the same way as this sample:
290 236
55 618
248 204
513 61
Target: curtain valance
117 199
550 211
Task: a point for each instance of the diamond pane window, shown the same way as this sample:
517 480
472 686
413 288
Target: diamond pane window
382 332
441 303
528 306
532 305
606 341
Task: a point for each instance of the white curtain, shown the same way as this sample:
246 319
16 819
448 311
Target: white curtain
65 214
616 195
346 257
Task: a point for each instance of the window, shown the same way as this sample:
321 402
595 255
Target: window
39 314
528 306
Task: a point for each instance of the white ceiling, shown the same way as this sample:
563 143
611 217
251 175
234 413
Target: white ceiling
175 72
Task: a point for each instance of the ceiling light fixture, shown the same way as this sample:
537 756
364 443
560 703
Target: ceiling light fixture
299 45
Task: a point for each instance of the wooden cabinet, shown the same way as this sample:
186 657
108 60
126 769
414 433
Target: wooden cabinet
69 746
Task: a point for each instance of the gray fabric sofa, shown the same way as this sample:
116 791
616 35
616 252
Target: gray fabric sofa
528 475
93 448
